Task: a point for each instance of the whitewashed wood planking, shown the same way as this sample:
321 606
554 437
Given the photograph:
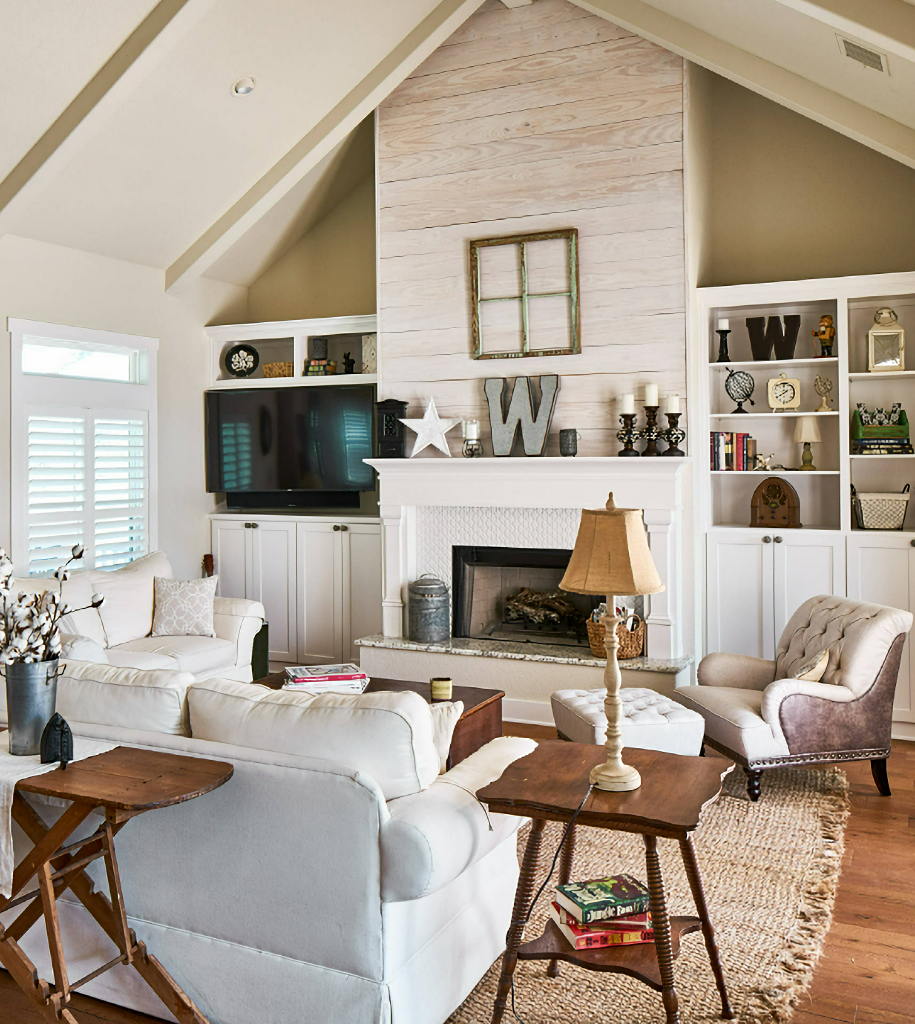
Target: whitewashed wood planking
533 119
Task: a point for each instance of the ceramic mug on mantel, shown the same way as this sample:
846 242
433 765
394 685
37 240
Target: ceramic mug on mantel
568 442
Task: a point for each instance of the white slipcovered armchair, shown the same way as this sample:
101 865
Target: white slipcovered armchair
759 714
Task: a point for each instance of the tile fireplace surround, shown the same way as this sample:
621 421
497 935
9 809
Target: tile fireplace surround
430 505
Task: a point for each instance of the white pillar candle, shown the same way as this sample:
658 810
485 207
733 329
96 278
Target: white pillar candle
723 325
471 430
627 406
673 403
651 394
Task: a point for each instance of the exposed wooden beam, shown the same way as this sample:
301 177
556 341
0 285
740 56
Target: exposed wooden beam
331 129
776 83
167 22
512 4
887 25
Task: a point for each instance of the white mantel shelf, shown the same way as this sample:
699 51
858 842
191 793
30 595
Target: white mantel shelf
533 482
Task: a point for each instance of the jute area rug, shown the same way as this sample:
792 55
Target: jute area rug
770 871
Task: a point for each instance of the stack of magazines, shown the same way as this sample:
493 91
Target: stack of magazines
326 679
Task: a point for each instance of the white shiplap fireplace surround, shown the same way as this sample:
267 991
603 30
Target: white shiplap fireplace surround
430 504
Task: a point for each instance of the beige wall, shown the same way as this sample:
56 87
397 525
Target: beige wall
330 271
46 282
788 198
533 119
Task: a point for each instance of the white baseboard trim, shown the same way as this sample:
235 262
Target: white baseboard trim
528 712
903 731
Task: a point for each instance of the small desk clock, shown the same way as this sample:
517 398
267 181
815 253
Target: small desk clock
784 393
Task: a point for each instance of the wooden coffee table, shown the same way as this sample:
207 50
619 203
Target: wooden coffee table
480 722
548 785
124 783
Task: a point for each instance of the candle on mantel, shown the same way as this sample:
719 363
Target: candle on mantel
651 394
471 430
673 403
723 325
627 406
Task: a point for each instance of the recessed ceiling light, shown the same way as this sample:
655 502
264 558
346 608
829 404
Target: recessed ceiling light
244 86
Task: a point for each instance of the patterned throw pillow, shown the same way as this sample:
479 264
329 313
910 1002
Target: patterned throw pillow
184 607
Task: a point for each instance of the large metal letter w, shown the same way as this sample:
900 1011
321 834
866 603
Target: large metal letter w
520 410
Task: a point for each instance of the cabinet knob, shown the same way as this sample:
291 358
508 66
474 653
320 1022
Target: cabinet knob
778 540
336 527
912 542
344 528
254 526
767 539
247 526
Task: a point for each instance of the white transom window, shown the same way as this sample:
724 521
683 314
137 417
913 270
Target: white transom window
83 446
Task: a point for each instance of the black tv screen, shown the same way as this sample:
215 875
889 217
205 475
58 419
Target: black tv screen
290 439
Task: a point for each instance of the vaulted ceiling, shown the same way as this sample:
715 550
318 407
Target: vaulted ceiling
121 133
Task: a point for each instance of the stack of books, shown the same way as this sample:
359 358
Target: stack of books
320 367
603 912
881 446
732 451
326 679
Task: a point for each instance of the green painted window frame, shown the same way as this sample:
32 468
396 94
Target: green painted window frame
572 293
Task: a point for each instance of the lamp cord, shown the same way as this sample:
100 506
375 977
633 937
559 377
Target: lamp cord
546 882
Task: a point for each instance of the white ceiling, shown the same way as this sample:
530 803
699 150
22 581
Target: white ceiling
176 150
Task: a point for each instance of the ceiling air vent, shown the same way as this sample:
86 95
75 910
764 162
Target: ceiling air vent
869 58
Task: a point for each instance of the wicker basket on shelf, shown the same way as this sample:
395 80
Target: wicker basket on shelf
631 636
278 369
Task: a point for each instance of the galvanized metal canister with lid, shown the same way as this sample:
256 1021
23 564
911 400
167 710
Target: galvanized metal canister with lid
430 610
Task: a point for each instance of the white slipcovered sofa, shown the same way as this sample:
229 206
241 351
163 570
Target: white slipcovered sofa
337 877
118 632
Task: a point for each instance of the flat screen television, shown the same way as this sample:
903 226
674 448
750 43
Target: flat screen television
289 441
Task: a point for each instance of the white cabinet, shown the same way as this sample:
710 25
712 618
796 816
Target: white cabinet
255 559
881 569
757 578
339 588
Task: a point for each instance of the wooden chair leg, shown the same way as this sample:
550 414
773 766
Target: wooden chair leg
565 873
754 783
878 770
661 923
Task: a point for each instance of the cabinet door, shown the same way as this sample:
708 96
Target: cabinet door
231 557
272 582
320 561
881 570
739 593
361 584
806 563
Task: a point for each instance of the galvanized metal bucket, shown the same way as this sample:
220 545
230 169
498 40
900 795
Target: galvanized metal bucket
31 700
430 610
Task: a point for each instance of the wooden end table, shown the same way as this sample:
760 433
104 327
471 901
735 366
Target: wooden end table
124 783
480 722
548 785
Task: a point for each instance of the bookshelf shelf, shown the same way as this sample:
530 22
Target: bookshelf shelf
781 472
756 364
766 415
894 375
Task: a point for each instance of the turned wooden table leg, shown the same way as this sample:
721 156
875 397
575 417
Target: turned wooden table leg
691 863
523 895
661 923
565 873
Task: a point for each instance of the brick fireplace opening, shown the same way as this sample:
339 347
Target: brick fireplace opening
512 594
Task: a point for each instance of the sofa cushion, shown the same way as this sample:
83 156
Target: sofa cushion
81 648
733 717
184 607
124 698
194 654
386 735
127 613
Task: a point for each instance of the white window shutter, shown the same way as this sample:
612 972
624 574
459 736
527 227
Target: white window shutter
56 488
120 462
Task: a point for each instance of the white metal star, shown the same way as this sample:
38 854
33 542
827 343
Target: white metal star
431 429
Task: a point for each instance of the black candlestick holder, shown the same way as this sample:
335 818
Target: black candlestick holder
627 435
652 432
723 356
673 435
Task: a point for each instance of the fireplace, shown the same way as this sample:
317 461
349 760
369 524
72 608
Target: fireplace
512 594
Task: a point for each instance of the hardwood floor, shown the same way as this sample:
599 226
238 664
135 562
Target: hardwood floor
867 973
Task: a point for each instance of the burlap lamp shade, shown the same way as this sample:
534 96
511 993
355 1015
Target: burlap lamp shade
611 556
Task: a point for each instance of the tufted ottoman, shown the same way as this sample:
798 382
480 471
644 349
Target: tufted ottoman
651 721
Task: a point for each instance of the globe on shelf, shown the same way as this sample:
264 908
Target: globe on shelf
822 386
739 386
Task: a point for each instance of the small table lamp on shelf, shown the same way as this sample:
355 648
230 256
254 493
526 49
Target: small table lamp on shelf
610 557
807 431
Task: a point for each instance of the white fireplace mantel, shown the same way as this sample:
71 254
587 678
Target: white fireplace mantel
653 485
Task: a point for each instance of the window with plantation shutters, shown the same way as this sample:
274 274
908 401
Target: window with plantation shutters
83 451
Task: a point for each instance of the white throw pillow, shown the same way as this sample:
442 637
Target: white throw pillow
127 613
386 735
82 648
445 716
77 593
184 607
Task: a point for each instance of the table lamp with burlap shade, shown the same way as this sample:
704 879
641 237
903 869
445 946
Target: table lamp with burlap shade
611 556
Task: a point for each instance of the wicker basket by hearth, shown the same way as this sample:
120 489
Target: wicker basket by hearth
278 369
631 638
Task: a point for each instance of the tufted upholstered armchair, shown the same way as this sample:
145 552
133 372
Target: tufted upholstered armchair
758 714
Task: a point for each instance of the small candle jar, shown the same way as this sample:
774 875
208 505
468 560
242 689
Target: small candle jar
441 688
